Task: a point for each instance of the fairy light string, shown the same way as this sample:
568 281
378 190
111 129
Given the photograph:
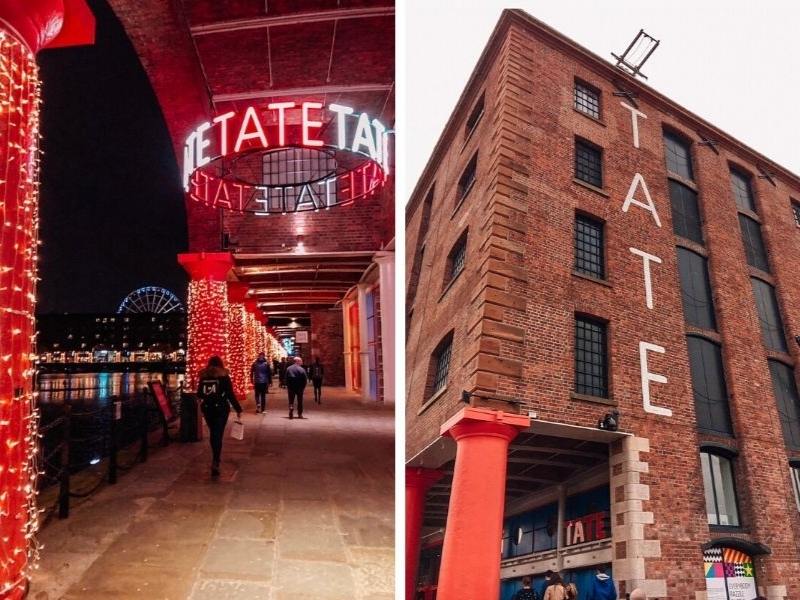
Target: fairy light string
19 225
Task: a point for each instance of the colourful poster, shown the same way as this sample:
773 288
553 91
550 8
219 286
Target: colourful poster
730 575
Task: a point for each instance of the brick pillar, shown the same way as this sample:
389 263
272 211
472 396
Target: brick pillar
385 261
629 517
207 309
25 28
418 482
471 552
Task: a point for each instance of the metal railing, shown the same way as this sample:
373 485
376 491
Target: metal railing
81 437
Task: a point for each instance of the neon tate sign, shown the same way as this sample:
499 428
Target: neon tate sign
321 156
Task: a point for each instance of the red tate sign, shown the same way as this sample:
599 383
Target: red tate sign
589 528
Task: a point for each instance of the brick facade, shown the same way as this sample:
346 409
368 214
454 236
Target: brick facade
512 310
327 341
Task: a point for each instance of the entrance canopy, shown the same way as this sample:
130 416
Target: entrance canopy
540 457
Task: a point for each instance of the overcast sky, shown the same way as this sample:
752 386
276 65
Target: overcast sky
735 63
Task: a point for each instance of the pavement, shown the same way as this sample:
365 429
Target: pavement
303 509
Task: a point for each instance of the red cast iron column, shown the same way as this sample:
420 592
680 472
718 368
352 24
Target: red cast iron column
238 346
207 309
471 552
418 482
25 28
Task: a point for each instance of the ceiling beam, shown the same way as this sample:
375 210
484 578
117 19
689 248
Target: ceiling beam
551 450
293 19
298 290
316 90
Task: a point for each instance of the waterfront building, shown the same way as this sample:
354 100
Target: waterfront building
601 343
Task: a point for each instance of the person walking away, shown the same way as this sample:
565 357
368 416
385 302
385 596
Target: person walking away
526 593
316 371
282 372
261 378
602 587
296 380
557 590
216 391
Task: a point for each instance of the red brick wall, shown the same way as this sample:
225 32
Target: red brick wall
512 310
327 342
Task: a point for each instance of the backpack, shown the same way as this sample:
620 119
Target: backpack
570 591
211 394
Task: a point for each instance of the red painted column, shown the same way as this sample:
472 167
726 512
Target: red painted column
207 309
25 28
471 553
418 482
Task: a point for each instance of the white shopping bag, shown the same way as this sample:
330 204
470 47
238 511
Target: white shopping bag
237 431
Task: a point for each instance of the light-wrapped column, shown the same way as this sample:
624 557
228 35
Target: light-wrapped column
238 352
19 169
207 310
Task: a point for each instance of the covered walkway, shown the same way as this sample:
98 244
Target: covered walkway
303 509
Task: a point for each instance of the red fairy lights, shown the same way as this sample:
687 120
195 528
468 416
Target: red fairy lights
19 216
207 333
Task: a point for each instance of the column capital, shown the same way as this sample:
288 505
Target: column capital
206 265
472 421
237 292
48 23
421 478
251 306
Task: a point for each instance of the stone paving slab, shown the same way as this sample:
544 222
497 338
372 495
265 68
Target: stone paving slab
303 509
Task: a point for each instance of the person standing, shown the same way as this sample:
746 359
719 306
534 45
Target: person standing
316 371
602 587
296 380
526 593
261 378
282 372
556 590
216 391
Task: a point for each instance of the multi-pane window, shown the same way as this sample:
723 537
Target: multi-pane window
769 315
679 158
474 116
685 213
698 304
784 388
591 361
720 490
587 99
753 243
794 473
456 259
708 385
796 213
467 179
742 191
441 363
588 163
589 246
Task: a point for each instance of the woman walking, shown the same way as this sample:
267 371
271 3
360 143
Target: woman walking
216 391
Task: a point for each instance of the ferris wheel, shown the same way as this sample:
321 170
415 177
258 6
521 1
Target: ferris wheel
150 300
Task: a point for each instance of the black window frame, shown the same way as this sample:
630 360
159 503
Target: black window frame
685 207
456 259
582 90
745 193
753 242
584 168
589 246
440 364
709 387
467 180
475 115
773 333
673 141
794 475
729 457
787 400
697 297
795 211
598 377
